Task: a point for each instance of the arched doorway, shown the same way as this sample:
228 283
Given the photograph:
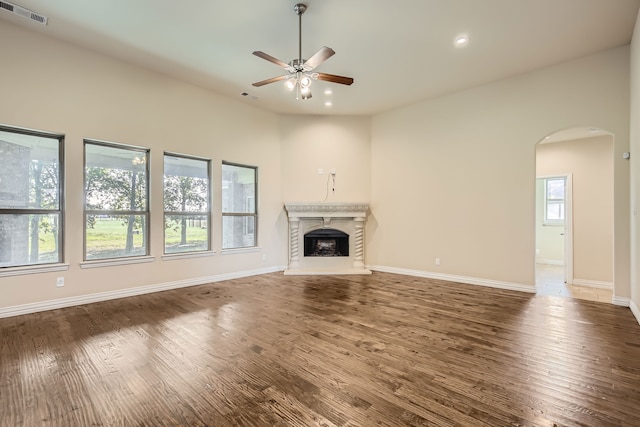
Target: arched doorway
574 214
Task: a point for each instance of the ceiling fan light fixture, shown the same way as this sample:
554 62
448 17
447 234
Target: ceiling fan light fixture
305 93
305 81
290 83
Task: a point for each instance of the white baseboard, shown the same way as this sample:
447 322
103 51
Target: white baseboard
452 278
621 301
593 284
550 261
18 310
635 310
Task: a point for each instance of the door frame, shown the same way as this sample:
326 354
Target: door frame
568 223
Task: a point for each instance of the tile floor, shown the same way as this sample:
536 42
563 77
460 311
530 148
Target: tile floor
550 281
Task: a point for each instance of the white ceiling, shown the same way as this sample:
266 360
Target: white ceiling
399 52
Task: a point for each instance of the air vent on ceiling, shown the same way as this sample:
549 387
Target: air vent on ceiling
21 11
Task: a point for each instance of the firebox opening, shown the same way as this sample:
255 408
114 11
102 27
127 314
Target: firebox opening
326 242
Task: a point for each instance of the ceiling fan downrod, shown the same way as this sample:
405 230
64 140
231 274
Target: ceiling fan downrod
300 8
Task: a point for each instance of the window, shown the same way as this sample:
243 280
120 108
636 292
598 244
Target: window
554 200
116 201
31 188
187 213
239 215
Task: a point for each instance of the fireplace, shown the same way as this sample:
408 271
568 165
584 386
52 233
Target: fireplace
326 238
326 242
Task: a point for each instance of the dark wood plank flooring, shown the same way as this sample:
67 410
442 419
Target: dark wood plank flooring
274 350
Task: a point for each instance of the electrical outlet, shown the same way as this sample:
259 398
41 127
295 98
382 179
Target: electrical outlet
437 261
60 282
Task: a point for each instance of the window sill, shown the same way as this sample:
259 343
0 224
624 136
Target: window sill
183 255
241 250
114 262
32 269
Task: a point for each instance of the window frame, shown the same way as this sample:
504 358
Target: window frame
111 212
253 215
206 213
60 211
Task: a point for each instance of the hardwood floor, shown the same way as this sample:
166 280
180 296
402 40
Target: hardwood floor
550 281
276 350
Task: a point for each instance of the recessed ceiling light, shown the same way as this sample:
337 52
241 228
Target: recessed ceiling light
461 40
328 104
328 91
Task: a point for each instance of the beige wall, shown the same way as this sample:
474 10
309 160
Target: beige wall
310 143
590 163
53 86
635 170
454 177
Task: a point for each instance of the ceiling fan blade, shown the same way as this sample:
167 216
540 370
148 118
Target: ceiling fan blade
270 58
271 80
319 57
335 79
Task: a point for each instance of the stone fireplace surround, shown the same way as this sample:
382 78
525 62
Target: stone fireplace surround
309 216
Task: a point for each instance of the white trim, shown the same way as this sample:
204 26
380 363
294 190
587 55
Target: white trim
568 230
568 223
550 261
326 272
241 250
116 261
621 301
593 284
33 269
18 310
635 310
452 278
182 255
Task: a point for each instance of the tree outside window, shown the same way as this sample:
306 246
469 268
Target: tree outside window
187 215
30 197
239 214
116 201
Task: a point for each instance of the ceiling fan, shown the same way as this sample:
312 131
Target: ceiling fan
301 70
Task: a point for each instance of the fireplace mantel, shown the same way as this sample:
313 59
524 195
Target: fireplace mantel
324 209
305 217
